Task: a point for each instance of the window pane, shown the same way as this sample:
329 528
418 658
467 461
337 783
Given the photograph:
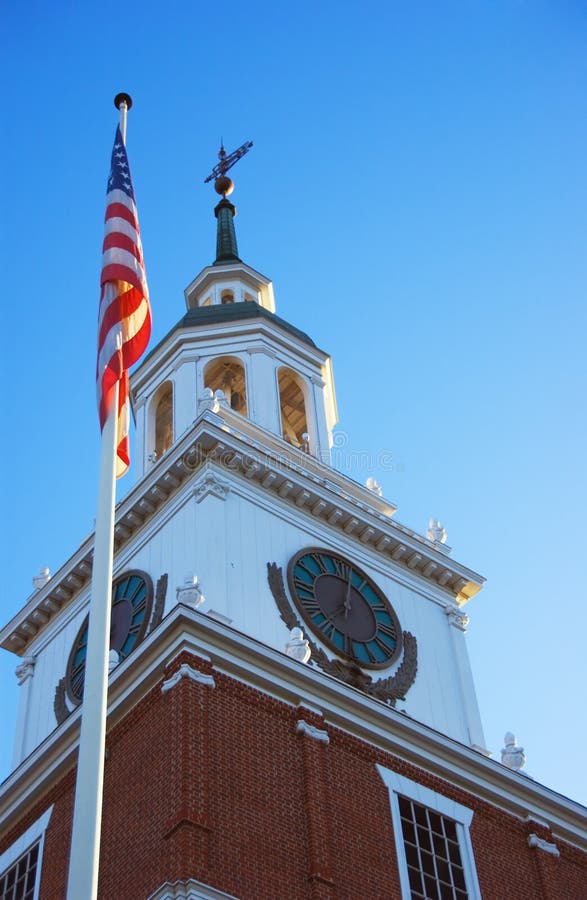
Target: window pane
454 852
409 832
443 870
424 838
427 863
446 892
415 880
439 845
449 829
405 807
420 815
412 856
458 877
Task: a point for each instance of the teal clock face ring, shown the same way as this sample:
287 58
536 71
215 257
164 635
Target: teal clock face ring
344 607
132 600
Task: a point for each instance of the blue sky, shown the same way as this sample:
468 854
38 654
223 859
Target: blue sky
417 192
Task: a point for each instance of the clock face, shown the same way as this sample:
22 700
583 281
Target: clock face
345 608
132 597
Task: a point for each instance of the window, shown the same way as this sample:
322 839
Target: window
434 850
19 881
20 865
228 374
294 423
164 420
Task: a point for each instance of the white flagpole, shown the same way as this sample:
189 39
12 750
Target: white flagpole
87 815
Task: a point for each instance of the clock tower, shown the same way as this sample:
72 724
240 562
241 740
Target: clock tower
291 708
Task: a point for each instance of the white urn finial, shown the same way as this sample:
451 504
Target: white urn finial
190 592
297 647
207 400
42 578
436 532
374 486
512 756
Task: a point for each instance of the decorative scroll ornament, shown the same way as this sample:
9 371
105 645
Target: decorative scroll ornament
540 844
25 669
209 483
457 618
389 689
191 674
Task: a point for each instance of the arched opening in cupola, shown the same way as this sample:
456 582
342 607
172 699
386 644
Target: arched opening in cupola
228 374
163 419
292 403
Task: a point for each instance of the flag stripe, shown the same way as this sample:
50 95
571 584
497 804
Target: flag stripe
125 306
137 327
124 318
115 209
116 240
119 225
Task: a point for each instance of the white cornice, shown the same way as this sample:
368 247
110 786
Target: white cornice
242 448
187 341
276 674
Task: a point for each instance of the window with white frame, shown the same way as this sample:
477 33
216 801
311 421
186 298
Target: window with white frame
20 865
434 850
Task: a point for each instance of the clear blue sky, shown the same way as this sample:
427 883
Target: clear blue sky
417 192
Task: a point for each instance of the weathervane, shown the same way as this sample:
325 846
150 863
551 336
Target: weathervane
222 184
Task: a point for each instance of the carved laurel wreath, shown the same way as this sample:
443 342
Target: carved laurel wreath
389 690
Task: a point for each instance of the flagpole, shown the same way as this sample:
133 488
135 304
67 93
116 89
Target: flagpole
87 815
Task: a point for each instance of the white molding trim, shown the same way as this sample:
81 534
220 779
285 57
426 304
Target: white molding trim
246 659
189 890
461 815
541 844
186 671
34 833
234 443
318 734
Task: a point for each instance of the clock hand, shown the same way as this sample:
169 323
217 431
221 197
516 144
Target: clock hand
347 598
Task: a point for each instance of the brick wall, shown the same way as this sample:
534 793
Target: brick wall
219 784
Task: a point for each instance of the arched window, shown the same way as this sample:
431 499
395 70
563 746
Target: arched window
228 374
227 297
164 420
294 422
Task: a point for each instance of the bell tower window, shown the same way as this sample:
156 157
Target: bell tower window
227 297
294 421
228 374
164 420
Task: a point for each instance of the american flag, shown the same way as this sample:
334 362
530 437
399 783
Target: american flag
124 319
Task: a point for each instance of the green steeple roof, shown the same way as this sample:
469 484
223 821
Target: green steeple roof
226 249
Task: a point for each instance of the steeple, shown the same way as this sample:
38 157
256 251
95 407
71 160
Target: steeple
225 211
226 248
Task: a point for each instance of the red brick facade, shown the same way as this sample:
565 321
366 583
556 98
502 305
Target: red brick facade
217 784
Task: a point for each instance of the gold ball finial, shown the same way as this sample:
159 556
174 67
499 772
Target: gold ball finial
224 185
123 98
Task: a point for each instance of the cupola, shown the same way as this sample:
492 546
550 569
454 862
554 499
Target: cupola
231 352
